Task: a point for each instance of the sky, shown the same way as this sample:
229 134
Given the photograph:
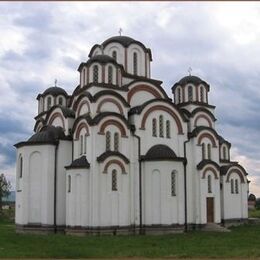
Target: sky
44 41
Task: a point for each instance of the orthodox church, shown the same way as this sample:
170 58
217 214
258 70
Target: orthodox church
120 156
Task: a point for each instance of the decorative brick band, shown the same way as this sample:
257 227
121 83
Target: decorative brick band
209 168
111 100
81 105
80 127
209 136
115 123
205 117
56 115
239 174
119 163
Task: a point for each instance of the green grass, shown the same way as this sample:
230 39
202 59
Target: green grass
243 241
254 213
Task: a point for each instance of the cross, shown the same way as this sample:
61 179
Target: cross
190 70
120 31
55 82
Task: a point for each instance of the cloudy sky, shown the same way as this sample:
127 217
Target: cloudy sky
40 42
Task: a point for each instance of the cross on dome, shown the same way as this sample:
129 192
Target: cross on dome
120 31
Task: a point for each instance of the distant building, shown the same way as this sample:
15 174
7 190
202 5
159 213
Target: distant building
251 202
118 154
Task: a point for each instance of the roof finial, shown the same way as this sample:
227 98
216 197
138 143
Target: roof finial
55 82
190 70
120 31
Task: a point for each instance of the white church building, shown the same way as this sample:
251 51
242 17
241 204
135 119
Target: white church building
120 156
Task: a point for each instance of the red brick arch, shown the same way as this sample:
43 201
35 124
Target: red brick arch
80 127
119 163
209 136
115 123
111 100
209 168
81 105
205 117
239 174
54 116
162 108
146 88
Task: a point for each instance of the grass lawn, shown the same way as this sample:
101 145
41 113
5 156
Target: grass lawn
243 241
254 213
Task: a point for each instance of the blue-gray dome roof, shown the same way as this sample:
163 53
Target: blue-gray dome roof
55 91
124 40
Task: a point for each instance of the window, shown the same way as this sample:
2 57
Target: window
84 77
154 127
48 103
81 144
114 180
179 95
69 183
110 74
21 167
116 142
173 183
209 152
95 74
135 63
190 93
209 184
161 125
201 94
85 144
168 129
236 186
232 185
114 55
108 141
224 153
203 152
60 101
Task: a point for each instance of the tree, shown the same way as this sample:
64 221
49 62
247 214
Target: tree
5 189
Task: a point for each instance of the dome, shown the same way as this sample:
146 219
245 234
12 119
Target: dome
190 79
124 40
101 59
55 91
160 152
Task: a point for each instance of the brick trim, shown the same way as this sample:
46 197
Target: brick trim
115 123
209 136
202 116
210 168
81 105
235 171
119 163
80 127
54 116
111 100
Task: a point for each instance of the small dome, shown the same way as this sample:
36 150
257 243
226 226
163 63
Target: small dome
160 151
124 40
101 59
252 197
48 134
55 91
190 79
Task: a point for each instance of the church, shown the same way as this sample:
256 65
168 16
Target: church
119 155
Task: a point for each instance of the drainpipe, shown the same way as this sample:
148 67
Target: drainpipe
55 190
140 180
185 188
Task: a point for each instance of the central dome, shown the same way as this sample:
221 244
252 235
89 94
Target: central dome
124 40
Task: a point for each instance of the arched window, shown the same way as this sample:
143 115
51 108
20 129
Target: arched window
48 103
236 186
81 144
135 63
95 73
114 55
190 93
110 74
179 95
203 152
209 184
168 129
114 180
84 77
224 153
173 183
116 142
60 101
161 125
154 127
85 144
21 167
201 94
108 141
69 183
209 151
232 185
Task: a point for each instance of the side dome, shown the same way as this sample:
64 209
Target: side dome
159 152
103 59
55 91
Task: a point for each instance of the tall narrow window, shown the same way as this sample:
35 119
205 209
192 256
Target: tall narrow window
179 95
135 63
209 152
48 103
224 153
84 77
60 101
203 152
116 142
21 167
173 183
69 183
190 93
81 144
232 185
114 55
95 74
161 125
168 129
110 74
154 127
209 184
114 180
108 141
201 94
236 186
85 143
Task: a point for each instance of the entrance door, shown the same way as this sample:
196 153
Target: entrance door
210 210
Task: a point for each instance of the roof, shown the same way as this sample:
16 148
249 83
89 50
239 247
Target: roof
55 91
81 162
190 79
206 162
